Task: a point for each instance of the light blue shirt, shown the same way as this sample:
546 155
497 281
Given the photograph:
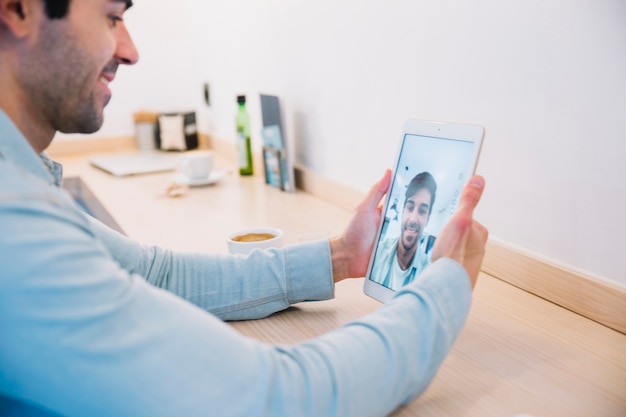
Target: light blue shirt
386 261
94 324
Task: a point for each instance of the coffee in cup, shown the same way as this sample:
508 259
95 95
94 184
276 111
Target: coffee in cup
253 237
262 238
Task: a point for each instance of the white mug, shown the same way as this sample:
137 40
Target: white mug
244 241
197 165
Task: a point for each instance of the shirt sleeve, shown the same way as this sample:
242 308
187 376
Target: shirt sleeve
83 336
232 287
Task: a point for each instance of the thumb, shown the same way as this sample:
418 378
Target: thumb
471 195
376 193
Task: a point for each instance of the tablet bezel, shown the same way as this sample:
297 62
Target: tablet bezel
432 129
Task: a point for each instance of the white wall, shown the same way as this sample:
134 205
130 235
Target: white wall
546 79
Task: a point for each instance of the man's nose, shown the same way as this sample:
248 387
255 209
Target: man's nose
414 217
126 52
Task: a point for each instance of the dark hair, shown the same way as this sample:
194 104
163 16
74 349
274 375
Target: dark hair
422 180
57 9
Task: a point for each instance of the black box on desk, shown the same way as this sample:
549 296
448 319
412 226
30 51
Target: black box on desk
181 128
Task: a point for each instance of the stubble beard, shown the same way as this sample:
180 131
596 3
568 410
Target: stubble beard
408 246
61 87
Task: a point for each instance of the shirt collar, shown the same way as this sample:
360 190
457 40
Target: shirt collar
15 148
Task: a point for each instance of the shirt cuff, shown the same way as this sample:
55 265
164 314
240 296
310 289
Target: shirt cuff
309 275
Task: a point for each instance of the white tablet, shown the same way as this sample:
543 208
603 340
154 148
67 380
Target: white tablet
434 162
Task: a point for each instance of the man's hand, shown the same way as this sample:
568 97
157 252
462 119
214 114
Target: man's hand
463 239
351 251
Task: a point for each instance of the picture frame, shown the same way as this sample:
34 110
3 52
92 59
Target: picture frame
273 135
272 163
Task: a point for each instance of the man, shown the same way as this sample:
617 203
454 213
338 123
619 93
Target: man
400 259
95 324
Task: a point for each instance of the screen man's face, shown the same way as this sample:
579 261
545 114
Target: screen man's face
414 218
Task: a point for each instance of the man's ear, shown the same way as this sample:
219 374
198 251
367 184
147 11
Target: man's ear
17 16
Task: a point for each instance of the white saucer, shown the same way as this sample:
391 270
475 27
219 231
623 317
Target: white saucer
213 177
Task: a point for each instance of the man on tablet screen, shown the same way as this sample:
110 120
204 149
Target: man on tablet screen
400 259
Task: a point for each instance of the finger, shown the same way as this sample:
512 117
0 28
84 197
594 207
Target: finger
377 192
470 197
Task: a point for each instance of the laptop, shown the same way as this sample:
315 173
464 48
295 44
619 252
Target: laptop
135 163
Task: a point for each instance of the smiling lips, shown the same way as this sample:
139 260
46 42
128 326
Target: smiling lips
411 232
105 79
108 73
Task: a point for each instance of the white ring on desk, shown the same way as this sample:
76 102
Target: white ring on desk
193 182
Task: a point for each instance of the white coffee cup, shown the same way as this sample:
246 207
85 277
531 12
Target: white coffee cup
244 241
197 165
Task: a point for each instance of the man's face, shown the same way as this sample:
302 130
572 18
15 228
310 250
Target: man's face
67 71
414 218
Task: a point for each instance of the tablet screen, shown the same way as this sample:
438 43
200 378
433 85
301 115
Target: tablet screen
427 184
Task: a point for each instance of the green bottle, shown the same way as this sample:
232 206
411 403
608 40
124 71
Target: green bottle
244 151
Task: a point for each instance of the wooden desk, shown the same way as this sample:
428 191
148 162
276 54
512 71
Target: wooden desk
517 354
